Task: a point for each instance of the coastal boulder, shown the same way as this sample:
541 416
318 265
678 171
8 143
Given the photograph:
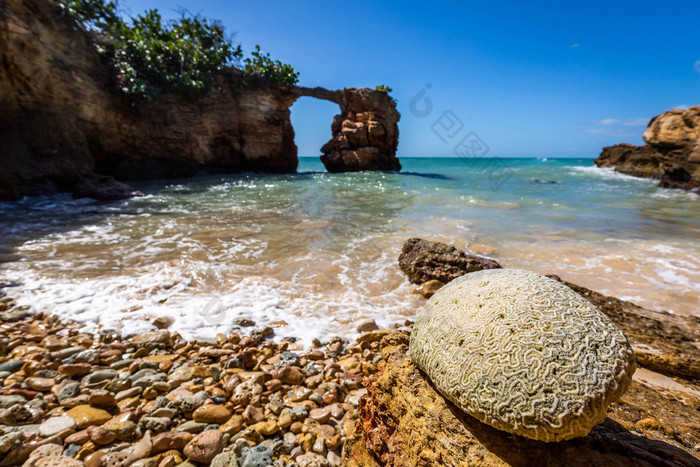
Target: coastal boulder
365 133
672 154
523 353
422 261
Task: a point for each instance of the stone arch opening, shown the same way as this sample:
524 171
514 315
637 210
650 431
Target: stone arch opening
311 119
364 135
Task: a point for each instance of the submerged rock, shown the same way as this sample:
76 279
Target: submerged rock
422 261
522 353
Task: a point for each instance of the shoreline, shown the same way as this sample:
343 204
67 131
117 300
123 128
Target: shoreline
69 392
156 400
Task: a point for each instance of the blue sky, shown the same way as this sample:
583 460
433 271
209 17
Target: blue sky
546 78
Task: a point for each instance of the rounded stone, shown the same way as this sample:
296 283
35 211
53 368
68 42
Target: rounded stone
101 435
211 413
55 425
205 446
86 416
522 353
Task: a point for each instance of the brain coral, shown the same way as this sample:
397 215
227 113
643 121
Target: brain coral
522 353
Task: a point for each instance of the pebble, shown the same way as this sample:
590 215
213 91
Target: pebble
99 376
56 425
205 446
85 416
311 459
171 440
155 424
101 435
39 384
243 401
367 325
211 413
320 415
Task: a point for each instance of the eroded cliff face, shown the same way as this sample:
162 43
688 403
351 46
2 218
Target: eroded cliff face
62 123
672 154
365 133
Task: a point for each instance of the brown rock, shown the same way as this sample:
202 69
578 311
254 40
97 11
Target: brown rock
320 415
75 369
266 428
422 261
366 326
672 154
233 425
205 446
163 322
101 435
251 415
365 133
39 384
428 289
170 440
86 416
289 375
102 398
211 413
402 416
80 437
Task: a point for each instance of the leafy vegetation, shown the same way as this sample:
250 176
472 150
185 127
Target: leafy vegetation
151 57
273 71
383 87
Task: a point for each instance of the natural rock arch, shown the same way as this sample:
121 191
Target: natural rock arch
364 135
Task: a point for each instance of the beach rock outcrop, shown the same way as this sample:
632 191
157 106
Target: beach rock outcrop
365 133
522 353
423 260
672 153
404 421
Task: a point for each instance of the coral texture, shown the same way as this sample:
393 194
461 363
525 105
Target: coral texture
522 353
404 421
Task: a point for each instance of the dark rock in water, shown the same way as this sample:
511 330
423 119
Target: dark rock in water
422 261
405 421
672 154
103 188
545 182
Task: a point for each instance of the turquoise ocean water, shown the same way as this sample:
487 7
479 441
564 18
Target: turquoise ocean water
313 253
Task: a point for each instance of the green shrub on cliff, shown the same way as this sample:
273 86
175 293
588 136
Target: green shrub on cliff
183 56
272 71
383 87
152 57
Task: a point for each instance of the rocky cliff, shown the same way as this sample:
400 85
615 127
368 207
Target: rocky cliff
672 154
62 122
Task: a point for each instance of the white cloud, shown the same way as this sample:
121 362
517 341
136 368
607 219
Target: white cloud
576 44
609 132
622 122
697 66
682 107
